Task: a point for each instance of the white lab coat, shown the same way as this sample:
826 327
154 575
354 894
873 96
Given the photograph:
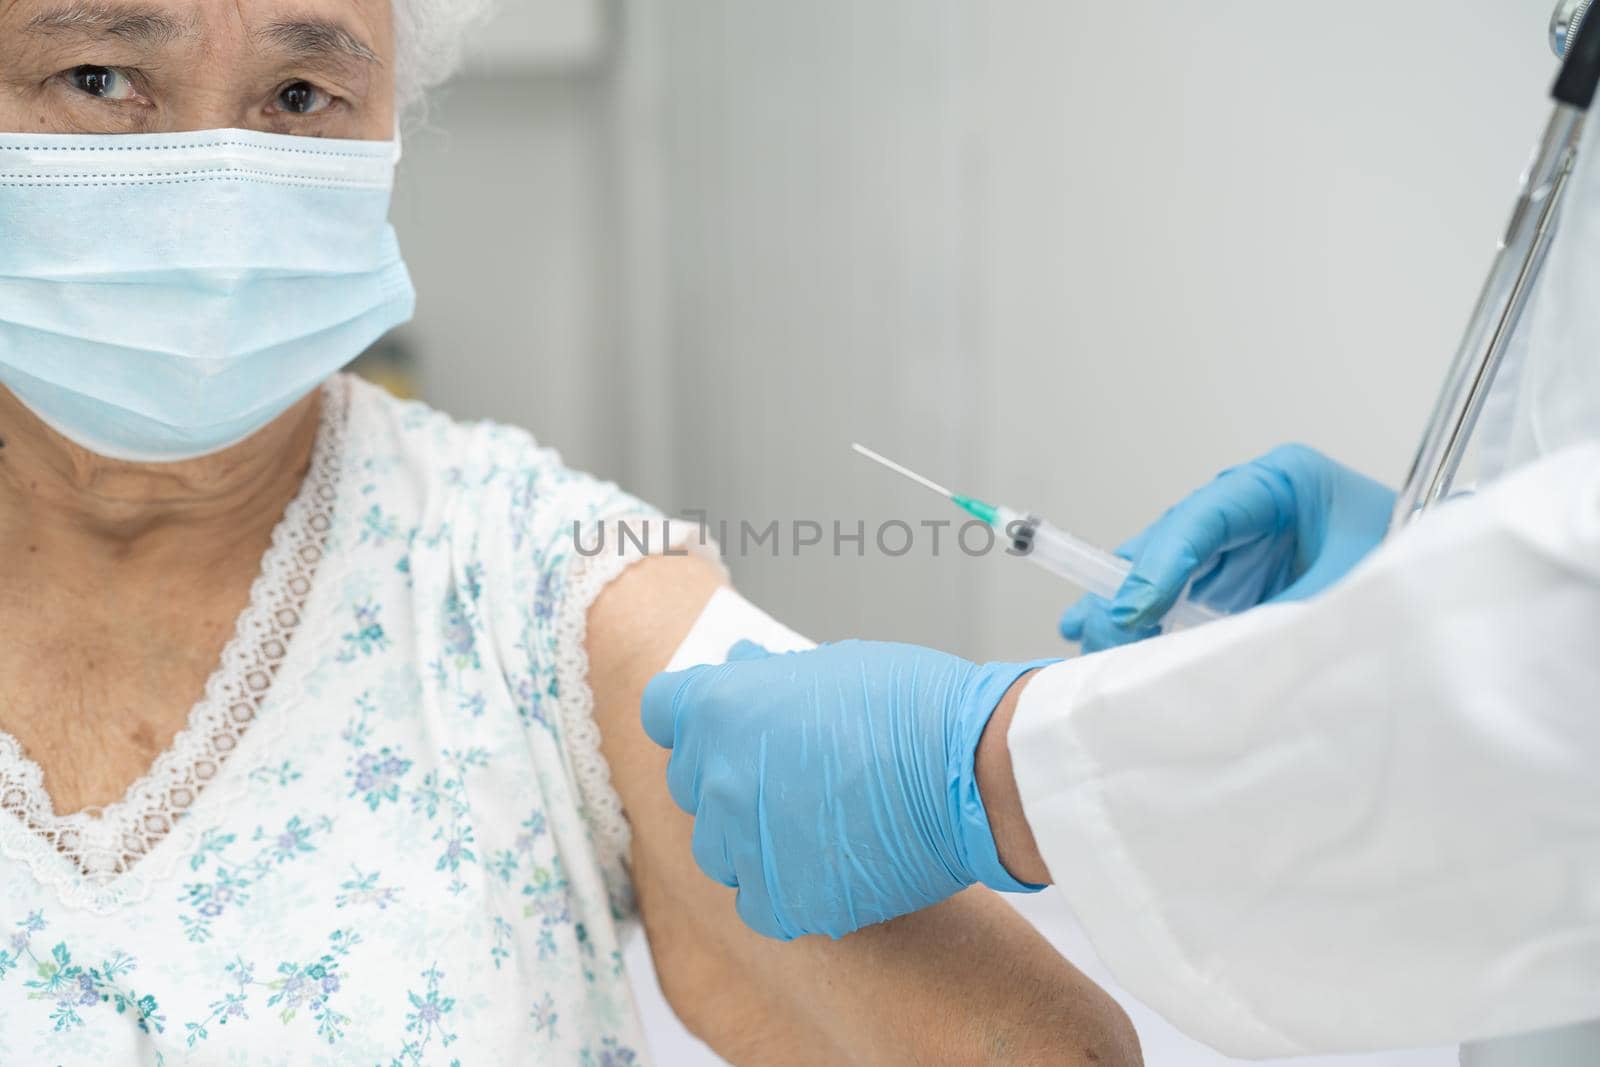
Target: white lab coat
1367 821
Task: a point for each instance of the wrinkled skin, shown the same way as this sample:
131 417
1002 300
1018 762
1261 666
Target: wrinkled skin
318 68
135 572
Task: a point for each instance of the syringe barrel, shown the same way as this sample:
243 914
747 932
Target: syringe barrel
1086 566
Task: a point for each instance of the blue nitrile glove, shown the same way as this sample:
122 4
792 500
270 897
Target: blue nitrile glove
834 788
1283 527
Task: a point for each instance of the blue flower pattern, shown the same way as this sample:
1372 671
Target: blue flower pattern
74 990
408 877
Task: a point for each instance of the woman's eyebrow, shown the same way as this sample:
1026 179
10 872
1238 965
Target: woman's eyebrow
144 26
318 39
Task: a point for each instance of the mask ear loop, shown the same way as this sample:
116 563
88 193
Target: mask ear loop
399 141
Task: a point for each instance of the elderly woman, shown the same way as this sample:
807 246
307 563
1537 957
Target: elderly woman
321 736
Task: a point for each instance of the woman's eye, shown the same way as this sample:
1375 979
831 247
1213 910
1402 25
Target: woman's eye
302 98
107 83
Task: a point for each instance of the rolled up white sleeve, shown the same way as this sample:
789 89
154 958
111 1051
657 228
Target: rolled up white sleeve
1367 821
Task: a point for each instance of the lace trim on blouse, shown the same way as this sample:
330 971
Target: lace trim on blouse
99 858
587 578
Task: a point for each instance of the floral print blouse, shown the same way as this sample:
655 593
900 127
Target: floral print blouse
387 835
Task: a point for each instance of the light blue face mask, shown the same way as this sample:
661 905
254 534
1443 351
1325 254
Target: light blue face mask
166 296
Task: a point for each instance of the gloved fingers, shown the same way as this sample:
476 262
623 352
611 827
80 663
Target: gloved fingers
1101 632
1130 549
746 650
1236 508
754 904
658 709
667 693
1075 617
683 779
1330 567
711 853
1300 464
1162 572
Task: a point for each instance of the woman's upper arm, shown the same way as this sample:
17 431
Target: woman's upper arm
969 981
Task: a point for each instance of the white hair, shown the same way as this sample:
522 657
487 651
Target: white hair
429 36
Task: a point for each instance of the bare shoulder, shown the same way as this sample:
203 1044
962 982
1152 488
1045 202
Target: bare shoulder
641 618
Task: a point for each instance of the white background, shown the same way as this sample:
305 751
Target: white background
1073 254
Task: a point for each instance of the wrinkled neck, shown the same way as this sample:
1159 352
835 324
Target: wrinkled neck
67 510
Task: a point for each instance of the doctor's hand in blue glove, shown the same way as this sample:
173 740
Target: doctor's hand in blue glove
834 788
1282 527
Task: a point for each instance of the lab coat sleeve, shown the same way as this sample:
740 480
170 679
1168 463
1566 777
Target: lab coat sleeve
1367 821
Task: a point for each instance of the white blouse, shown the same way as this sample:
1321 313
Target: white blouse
387 835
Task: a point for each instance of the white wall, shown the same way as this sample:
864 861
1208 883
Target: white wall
1211 228
820 286
1073 254
504 211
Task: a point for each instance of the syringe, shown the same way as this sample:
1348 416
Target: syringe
1086 566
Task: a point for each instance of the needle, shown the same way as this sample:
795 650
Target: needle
904 471
1050 547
